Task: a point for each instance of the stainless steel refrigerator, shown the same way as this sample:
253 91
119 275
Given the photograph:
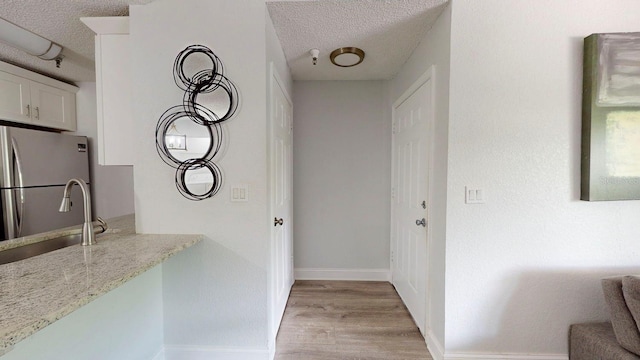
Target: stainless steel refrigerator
34 168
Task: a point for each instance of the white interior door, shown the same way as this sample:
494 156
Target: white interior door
409 210
281 124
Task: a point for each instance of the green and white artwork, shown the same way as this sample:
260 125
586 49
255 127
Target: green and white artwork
611 117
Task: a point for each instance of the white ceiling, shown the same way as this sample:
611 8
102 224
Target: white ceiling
387 30
59 21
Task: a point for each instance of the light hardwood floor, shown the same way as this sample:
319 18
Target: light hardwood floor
347 320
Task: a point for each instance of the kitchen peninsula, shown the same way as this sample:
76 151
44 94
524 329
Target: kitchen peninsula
38 291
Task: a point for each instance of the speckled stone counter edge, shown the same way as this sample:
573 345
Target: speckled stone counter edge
182 242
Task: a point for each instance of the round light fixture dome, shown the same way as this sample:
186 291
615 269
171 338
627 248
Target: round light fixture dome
347 56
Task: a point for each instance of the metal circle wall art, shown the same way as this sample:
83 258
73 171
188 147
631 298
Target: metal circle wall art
198 168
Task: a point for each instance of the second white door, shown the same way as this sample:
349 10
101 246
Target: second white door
410 200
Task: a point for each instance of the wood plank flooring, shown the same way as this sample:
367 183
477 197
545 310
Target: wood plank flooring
347 320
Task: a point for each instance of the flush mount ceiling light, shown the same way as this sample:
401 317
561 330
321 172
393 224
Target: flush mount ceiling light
19 38
347 56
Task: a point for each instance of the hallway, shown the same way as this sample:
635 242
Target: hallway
347 320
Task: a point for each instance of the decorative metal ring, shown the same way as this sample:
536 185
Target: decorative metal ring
203 115
204 76
196 164
172 115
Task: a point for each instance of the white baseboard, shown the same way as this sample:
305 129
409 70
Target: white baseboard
159 355
438 353
176 352
343 274
475 356
434 346
272 353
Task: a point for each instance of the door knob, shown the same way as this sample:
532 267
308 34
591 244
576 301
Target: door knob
422 222
277 221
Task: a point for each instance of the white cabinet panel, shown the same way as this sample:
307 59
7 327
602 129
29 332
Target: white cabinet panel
52 107
30 98
113 90
14 98
115 126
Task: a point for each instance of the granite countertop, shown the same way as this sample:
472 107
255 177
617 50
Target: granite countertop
36 292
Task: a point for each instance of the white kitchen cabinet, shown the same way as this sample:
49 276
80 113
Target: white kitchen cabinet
113 90
52 107
30 98
14 98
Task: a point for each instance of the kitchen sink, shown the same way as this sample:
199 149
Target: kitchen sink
35 249
43 247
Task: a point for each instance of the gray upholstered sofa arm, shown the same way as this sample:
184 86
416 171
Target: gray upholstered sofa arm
596 341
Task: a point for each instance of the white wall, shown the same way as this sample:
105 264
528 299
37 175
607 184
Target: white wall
111 186
124 324
434 50
223 290
342 167
275 54
525 265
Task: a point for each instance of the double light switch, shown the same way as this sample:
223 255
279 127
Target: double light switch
474 196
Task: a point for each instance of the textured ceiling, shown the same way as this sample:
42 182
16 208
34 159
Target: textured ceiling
387 30
59 21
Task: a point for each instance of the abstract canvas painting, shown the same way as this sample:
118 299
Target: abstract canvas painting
611 117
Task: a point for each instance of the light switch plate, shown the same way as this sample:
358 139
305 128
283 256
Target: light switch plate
240 193
474 195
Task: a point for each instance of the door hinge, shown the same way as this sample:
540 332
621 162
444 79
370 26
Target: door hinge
393 193
394 128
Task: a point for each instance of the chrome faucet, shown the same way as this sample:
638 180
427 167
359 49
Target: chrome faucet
88 235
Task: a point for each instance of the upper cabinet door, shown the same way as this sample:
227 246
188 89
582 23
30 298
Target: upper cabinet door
14 98
113 90
113 84
52 107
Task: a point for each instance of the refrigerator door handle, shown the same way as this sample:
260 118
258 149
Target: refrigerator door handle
20 179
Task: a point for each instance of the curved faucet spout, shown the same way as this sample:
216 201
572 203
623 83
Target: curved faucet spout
88 235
